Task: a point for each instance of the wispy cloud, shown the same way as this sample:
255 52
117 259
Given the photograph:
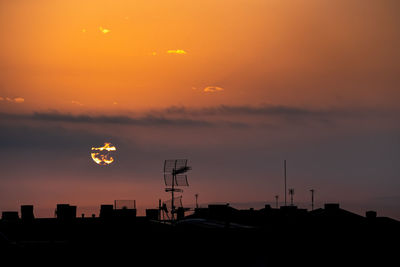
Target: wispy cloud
17 100
76 103
147 120
278 112
213 89
273 110
214 116
177 51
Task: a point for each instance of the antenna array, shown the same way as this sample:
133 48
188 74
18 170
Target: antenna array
175 176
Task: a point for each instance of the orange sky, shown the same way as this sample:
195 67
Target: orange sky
311 52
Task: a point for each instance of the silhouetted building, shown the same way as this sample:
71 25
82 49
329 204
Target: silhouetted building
200 213
223 213
27 213
10 216
333 215
153 214
332 206
65 212
180 213
106 211
125 213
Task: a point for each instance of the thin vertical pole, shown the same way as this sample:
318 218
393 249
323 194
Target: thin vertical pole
284 167
196 196
172 200
172 193
159 209
291 199
312 199
276 200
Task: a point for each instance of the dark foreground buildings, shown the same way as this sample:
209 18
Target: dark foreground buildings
218 235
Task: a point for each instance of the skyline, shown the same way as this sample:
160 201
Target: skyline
236 87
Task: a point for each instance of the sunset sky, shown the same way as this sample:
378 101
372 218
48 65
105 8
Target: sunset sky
235 86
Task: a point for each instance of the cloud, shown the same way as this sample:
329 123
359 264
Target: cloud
103 30
177 51
76 103
278 113
213 89
22 136
272 110
215 116
17 100
147 120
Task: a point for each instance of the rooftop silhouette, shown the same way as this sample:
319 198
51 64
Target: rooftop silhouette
221 229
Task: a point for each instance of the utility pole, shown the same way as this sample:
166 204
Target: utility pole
196 196
284 167
291 193
312 199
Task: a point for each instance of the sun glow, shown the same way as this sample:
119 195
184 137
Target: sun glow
103 157
104 30
177 51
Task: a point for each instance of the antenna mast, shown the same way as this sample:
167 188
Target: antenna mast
312 199
174 175
276 201
284 167
196 196
291 193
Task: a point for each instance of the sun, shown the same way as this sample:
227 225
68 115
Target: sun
103 155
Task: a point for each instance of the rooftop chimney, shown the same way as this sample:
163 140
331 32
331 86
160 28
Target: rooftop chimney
370 214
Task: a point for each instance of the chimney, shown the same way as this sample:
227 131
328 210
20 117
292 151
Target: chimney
27 213
370 214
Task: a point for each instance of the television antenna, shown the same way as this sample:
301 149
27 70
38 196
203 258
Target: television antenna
284 170
291 193
197 204
276 201
175 176
312 198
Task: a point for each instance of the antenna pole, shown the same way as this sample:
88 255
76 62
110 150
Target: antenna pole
172 199
172 193
196 196
174 169
284 167
291 199
312 199
276 201
159 209
291 193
